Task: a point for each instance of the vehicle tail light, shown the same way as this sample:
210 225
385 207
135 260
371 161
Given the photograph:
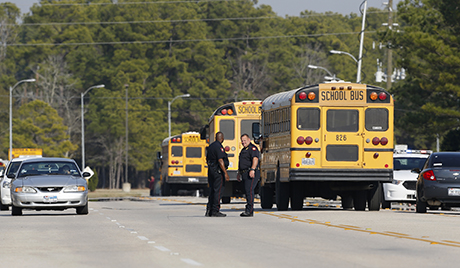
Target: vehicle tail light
376 155
302 95
373 96
375 141
300 140
308 140
429 175
307 155
172 162
384 141
382 96
227 148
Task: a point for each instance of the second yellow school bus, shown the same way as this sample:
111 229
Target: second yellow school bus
183 163
326 140
233 120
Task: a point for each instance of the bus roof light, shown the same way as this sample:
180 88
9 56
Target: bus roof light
224 111
302 95
311 95
230 111
349 87
341 88
382 96
373 96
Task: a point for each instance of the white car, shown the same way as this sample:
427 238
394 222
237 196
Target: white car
402 189
5 183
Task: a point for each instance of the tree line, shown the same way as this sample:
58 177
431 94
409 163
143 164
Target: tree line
216 51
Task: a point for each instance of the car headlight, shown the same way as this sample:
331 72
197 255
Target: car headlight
25 189
6 184
74 188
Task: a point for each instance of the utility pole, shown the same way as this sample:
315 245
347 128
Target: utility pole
390 52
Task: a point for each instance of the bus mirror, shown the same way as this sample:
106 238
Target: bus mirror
256 132
203 132
159 155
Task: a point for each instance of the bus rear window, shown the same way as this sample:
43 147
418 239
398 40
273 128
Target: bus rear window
193 152
228 128
308 118
377 119
342 120
176 151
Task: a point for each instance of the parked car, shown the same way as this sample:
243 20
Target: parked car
49 184
402 188
438 184
5 182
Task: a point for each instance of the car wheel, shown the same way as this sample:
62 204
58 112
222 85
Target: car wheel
83 210
420 207
16 211
3 207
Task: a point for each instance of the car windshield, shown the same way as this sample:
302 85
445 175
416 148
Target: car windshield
13 167
408 163
48 168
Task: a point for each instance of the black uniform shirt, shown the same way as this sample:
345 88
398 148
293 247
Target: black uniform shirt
215 152
246 156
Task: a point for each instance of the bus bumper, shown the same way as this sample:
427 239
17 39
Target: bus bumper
342 175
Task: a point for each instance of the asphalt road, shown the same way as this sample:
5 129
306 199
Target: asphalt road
172 232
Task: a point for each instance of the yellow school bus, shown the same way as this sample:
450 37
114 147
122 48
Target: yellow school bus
183 163
326 140
233 120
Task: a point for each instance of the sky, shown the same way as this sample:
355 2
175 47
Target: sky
282 7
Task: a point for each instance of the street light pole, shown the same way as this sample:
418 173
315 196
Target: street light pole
331 76
83 126
10 153
169 111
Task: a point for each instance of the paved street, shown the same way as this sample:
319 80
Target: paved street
172 232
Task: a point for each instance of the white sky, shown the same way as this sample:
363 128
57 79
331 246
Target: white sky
282 7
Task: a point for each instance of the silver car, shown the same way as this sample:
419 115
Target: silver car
49 184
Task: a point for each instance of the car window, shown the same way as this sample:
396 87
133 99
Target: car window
48 168
408 163
446 161
13 167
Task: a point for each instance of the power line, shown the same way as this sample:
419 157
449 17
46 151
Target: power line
188 40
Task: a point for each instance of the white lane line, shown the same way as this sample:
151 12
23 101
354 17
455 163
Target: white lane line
151 242
191 262
143 238
162 248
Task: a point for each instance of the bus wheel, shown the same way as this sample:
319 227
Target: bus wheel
359 200
225 199
281 192
3 207
296 196
165 189
374 197
347 200
266 197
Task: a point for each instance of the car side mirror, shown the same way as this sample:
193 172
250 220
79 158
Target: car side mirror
11 176
415 170
86 174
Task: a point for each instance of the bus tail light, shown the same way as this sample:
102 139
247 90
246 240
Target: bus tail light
384 141
300 140
375 141
302 95
227 148
307 155
308 140
429 175
376 155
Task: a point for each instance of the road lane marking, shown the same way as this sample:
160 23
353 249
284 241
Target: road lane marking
161 248
191 262
142 238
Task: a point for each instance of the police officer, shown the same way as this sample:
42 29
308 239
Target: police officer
249 172
217 170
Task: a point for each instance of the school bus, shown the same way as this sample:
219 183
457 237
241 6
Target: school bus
233 120
183 163
326 140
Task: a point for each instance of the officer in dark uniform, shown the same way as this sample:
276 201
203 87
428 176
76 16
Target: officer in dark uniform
248 170
217 160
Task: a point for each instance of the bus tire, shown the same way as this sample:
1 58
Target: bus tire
226 199
359 200
347 200
282 193
296 196
374 197
3 207
266 197
165 189
386 204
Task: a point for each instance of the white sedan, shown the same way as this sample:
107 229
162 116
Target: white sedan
402 189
